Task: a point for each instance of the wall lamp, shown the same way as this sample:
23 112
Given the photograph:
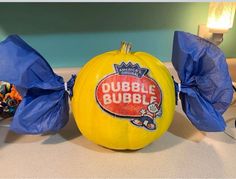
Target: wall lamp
220 20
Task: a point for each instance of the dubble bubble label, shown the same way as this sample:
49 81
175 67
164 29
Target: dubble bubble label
130 93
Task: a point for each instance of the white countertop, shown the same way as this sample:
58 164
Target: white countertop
183 151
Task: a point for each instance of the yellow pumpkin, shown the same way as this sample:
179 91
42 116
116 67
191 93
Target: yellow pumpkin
123 100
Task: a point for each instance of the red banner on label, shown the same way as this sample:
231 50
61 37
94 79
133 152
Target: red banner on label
127 95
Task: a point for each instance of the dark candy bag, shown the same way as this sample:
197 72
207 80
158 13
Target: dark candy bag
9 100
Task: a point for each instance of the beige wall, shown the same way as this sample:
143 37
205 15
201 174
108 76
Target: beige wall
232 68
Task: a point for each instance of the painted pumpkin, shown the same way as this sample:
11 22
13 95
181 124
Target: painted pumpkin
123 100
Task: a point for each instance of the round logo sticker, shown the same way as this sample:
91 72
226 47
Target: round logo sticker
130 93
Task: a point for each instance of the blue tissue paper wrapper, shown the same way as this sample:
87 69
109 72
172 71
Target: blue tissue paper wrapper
206 86
44 107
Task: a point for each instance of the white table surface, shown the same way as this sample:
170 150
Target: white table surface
182 151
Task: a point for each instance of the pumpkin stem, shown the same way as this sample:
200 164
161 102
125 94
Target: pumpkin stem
125 47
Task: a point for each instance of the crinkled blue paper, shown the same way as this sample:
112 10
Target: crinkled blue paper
44 107
206 86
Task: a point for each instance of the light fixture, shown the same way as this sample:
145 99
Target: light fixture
220 20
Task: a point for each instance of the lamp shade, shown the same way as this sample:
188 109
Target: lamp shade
221 16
